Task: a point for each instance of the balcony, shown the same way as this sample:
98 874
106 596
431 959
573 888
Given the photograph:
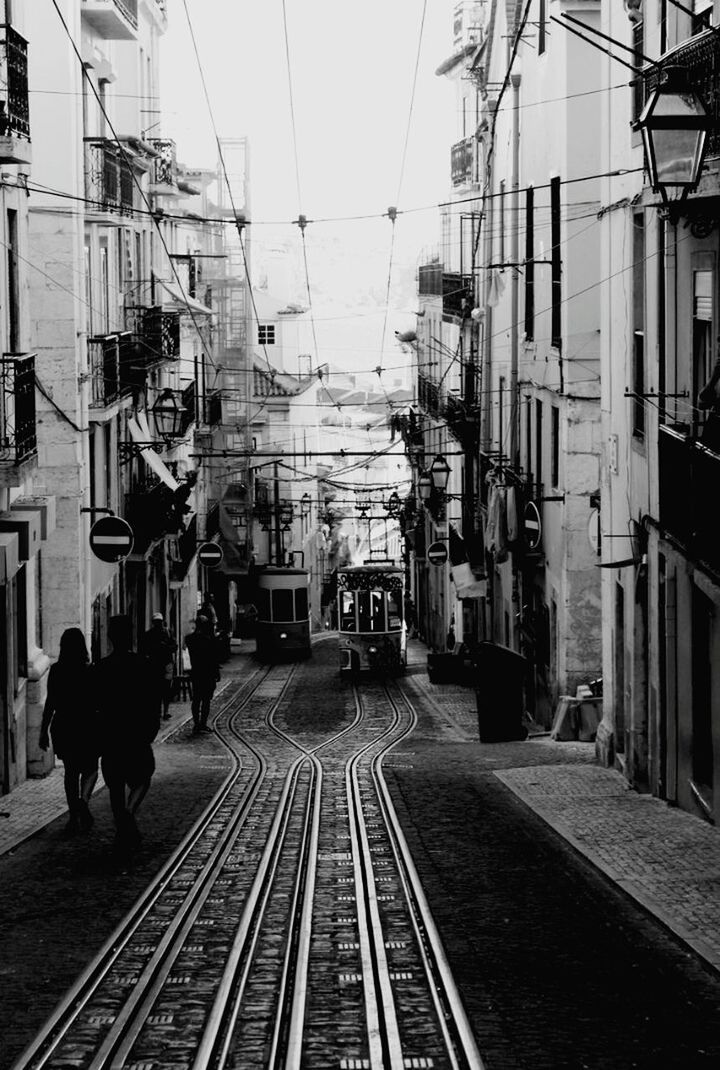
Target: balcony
156 337
430 280
14 108
457 294
700 56
429 396
18 441
115 20
109 358
212 408
109 181
462 159
163 178
689 476
460 420
151 511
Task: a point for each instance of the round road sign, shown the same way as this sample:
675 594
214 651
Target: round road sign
111 539
532 526
210 554
594 530
437 553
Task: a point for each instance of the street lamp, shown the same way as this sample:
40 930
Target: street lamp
674 125
440 473
168 415
286 514
305 505
393 504
424 486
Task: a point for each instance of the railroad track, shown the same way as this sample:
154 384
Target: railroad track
289 929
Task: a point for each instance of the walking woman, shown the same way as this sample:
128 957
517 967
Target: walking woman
69 715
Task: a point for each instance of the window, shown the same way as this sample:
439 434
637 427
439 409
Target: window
538 442
542 17
301 604
283 606
266 334
501 223
347 612
702 16
638 346
12 282
555 265
529 263
104 287
638 85
555 445
703 334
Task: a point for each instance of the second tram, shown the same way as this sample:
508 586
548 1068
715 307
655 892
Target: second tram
372 633
282 628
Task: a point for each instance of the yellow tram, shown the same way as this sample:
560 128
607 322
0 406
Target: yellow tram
282 628
372 633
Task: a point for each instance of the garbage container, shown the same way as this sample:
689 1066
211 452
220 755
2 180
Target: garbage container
499 692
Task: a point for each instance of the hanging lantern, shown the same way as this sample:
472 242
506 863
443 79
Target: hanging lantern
440 473
168 415
424 486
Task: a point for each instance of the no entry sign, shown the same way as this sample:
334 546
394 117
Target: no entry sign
210 554
111 539
532 526
437 553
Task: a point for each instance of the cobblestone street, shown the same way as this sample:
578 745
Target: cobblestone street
548 924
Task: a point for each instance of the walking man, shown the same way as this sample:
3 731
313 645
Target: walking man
129 718
202 646
159 648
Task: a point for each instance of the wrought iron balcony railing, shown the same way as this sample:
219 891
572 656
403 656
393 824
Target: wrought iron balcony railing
156 335
689 474
109 357
462 162
18 439
14 108
165 166
429 395
109 182
457 294
700 56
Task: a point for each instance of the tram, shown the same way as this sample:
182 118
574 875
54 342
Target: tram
372 633
282 628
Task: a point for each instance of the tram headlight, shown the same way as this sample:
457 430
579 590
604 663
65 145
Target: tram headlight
283 635
372 650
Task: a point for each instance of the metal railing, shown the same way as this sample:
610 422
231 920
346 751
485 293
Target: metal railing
18 435
156 334
128 8
108 358
14 107
430 280
165 169
457 294
700 56
212 408
429 395
109 181
462 159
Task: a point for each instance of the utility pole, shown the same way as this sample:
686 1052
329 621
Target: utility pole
514 260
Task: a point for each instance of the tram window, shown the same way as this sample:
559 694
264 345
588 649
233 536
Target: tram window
301 604
282 605
263 604
347 611
395 613
372 611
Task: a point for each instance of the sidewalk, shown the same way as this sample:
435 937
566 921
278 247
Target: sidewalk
667 860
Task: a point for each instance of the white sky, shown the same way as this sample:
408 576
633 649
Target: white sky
352 69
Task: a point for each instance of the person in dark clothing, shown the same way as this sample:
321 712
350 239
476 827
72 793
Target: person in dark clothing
207 610
159 648
70 719
204 654
129 722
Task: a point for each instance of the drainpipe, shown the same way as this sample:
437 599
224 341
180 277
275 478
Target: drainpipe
514 277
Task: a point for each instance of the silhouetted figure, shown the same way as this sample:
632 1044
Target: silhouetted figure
202 646
159 648
70 719
129 722
207 610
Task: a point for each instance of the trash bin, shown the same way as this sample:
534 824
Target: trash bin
499 692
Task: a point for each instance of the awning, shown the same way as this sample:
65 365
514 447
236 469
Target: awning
184 300
140 434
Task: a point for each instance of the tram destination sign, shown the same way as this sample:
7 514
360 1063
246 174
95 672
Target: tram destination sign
210 554
437 553
111 539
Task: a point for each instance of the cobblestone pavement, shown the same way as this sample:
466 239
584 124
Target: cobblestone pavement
533 859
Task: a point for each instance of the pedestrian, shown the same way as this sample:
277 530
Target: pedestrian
410 617
129 722
69 718
207 609
159 648
204 654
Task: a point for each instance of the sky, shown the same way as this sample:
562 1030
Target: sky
352 67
